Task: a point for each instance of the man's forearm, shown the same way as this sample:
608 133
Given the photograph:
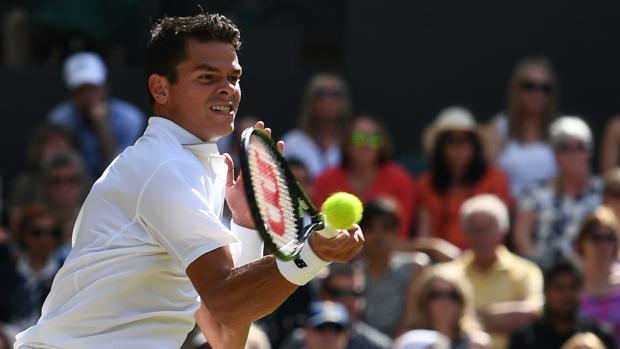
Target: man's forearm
508 316
245 293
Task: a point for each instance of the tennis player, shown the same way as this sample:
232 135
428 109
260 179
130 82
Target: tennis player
148 240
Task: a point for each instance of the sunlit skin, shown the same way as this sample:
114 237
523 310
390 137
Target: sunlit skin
208 77
535 102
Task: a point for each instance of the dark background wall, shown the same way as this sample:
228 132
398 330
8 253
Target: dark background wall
405 60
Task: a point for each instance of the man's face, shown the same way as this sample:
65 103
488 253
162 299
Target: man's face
562 296
88 96
482 234
205 98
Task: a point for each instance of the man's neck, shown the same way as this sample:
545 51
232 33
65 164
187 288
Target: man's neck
562 324
484 263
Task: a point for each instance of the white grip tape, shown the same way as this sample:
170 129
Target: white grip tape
302 268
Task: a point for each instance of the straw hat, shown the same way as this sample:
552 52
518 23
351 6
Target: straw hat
449 119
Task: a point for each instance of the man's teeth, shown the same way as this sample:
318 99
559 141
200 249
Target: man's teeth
224 108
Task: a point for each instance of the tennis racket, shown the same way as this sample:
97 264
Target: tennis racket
276 199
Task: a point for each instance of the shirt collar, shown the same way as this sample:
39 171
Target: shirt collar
183 136
503 262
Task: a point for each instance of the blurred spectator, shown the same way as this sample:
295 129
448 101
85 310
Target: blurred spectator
507 288
422 339
549 215
562 318
610 147
28 186
66 184
584 341
611 190
387 281
102 125
324 116
345 285
368 171
597 247
328 326
459 170
518 134
5 343
28 268
442 300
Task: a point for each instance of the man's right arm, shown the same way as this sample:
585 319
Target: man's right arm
234 297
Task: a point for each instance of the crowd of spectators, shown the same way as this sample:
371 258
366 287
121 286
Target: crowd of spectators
508 239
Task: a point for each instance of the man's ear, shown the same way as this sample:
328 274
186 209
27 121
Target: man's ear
158 87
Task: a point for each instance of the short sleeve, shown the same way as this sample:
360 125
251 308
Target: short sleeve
176 211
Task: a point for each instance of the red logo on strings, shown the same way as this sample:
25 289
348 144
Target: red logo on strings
271 193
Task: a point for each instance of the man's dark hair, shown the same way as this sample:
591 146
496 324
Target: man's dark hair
561 267
168 44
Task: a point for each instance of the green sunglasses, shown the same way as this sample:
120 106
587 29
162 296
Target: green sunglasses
371 139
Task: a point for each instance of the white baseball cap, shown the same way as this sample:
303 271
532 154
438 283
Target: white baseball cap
421 339
84 68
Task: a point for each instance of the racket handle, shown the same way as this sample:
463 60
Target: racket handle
328 232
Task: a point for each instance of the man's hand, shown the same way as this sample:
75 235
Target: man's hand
235 192
341 248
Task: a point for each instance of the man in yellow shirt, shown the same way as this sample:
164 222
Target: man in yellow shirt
508 289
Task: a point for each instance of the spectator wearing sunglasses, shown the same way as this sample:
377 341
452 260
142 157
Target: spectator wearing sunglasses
442 300
28 268
507 289
597 248
328 326
549 215
458 171
562 317
518 134
324 116
367 170
65 186
345 284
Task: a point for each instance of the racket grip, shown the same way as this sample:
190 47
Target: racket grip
328 232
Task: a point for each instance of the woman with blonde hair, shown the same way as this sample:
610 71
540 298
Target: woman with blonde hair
442 300
326 108
518 134
586 340
597 246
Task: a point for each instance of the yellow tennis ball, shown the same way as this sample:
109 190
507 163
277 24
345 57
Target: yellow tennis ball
342 210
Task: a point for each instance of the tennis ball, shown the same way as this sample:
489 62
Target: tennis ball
342 210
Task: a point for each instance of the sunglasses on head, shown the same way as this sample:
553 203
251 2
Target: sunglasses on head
372 140
442 294
329 92
566 147
59 180
531 86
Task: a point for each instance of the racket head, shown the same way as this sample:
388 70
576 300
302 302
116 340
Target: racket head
276 200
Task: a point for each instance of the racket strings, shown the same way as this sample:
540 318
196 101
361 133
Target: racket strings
276 206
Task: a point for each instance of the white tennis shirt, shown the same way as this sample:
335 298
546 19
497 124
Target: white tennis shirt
154 211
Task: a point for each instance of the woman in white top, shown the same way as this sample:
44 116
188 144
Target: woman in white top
325 111
519 133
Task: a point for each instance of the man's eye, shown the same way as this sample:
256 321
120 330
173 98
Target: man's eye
234 79
206 77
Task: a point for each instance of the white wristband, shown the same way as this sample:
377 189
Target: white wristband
303 268
250 244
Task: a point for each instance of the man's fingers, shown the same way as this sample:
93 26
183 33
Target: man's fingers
230 174
280 146
260 125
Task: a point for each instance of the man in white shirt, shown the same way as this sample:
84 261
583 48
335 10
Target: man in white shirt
149 239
